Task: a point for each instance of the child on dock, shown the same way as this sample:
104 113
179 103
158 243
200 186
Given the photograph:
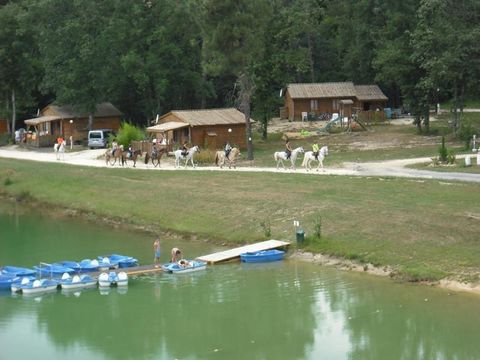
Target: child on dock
156 249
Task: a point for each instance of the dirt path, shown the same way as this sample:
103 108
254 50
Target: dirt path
393 168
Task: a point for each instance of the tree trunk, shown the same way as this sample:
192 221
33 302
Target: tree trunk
90 121
265 127
455 107
310 58
246 91
14 114
7 102
426 120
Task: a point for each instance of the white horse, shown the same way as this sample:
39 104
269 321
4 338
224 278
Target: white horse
188 157
309 157
279 156
60 150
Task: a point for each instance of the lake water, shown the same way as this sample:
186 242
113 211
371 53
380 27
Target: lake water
283 310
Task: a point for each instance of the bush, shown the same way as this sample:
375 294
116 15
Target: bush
442 151
127 134
206 157
466 133
266 227
451 157
317 227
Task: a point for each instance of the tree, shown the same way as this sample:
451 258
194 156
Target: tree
230 46
19 73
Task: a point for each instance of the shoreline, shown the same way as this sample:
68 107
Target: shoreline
298 254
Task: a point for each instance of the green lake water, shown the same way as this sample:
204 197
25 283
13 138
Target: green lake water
282 310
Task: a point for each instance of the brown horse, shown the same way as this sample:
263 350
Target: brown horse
135 155
117 155
156 155
220 158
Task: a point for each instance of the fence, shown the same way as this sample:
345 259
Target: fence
146 146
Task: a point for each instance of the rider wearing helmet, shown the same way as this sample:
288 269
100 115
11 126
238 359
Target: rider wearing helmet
315 149
227 149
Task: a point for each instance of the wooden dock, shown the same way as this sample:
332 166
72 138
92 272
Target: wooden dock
131 271
235 253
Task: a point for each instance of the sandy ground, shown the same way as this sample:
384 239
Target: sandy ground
392 168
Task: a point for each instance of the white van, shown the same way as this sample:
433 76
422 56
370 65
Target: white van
98 138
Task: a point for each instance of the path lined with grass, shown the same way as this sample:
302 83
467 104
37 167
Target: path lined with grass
389 168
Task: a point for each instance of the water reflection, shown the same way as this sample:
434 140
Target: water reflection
283 310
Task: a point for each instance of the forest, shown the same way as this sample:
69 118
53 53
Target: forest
148 57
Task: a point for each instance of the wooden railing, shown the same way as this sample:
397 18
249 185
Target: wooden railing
146 146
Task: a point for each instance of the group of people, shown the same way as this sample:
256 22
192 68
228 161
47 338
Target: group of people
315 149
175 253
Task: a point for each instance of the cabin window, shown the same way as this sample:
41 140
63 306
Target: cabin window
313 104
335 104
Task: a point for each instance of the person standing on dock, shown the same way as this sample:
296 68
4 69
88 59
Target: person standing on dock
156 249
176 254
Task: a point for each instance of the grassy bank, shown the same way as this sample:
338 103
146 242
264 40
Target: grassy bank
425 229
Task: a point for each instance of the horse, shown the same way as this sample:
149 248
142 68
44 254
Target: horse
188 157
309 157
232 158
60 150
156 155
279 156
133 156
118 154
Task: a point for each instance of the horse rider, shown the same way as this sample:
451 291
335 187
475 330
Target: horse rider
288 149
227 149
315 149
130 151
185 148
114 146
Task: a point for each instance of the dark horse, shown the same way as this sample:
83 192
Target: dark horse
156 155
133 157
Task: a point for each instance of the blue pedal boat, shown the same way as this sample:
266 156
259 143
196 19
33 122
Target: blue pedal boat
53 270
6 281
262 256
112 279
184 266
17 271
77 281
39 286
122 261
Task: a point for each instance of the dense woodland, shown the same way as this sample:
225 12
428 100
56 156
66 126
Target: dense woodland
148 57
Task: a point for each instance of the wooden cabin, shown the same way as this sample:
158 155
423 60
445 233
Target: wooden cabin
334 97
65 121
209 128
3 126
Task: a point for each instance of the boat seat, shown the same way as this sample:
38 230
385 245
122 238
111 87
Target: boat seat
76 279
65 276
37 283
103 277
122 276
94 262
25 281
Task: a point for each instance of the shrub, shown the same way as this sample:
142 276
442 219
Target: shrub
127 134
317 227
466 133
7 181
451 157
442 151
266 227
206 157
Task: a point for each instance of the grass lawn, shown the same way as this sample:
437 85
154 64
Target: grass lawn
380 142
424 229
458 167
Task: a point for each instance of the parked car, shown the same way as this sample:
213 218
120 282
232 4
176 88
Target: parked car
98 138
